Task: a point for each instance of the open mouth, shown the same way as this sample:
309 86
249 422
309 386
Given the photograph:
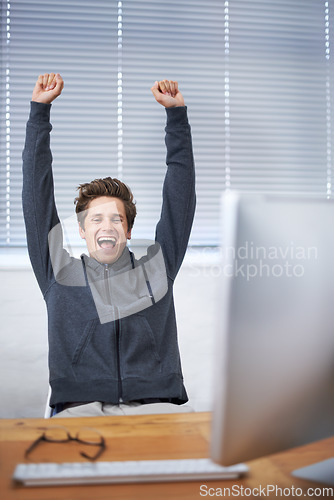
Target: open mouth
107 241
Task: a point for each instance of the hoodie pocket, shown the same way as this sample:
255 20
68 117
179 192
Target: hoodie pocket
138 348
84 341
95 355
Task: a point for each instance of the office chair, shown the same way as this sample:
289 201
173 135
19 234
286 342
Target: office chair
48 413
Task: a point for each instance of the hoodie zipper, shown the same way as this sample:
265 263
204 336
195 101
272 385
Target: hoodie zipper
117 331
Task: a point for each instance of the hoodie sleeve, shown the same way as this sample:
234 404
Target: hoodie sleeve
39 209
179 199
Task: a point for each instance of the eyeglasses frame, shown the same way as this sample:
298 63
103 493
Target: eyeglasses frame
69 438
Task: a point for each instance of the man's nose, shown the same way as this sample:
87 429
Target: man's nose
108 224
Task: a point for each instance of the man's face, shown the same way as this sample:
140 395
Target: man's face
105 229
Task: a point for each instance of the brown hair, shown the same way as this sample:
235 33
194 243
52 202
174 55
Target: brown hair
105 187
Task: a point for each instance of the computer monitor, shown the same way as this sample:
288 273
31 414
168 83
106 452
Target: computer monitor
274 366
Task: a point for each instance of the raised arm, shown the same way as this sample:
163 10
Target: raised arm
39 207
179 199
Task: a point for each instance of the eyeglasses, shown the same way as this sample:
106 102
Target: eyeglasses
85 436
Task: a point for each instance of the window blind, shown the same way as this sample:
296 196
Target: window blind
256 77
78 39
182 41
277 74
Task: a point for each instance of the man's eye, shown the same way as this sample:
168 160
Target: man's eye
116 220
97 219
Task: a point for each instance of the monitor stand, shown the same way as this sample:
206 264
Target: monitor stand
320 472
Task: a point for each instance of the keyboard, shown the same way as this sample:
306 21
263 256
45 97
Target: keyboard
142 471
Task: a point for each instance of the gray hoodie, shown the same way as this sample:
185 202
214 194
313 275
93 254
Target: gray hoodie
111 328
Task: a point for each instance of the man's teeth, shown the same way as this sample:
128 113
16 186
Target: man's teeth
107 239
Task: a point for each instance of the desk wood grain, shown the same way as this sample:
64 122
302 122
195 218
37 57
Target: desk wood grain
139 438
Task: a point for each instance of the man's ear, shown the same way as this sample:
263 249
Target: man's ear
128 234
82 232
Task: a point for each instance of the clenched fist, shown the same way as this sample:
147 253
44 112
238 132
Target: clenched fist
48 87
167 93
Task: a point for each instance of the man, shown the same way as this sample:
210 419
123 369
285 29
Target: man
111 321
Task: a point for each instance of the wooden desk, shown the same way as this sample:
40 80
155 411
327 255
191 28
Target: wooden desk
142 437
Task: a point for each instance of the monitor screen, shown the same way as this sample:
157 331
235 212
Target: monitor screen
274 366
